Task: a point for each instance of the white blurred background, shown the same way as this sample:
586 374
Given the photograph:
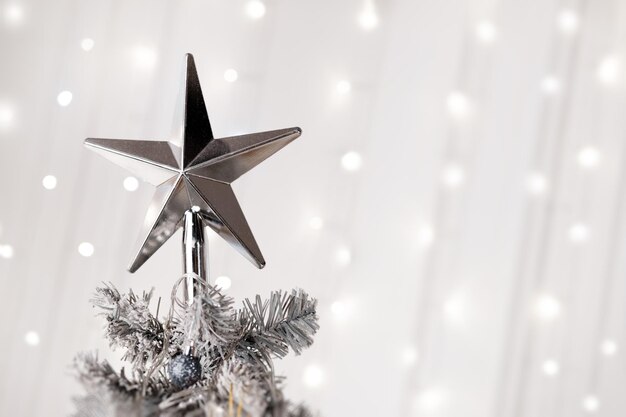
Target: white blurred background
456 201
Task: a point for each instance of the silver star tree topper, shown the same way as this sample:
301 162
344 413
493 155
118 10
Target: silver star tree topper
192 174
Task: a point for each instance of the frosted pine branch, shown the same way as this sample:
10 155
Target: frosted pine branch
210 322
248 382
282 322
94 372
130 325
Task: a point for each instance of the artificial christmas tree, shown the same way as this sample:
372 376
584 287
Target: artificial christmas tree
204 357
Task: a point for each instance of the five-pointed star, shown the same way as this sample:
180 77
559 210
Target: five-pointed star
197 174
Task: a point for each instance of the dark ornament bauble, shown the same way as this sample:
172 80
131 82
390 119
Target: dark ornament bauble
184 370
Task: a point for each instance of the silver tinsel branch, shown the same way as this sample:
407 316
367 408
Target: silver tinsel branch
282 322
211 323
235 348
131 325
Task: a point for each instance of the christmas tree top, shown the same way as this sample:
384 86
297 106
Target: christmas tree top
205 357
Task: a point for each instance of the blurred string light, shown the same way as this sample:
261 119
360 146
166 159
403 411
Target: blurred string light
343 87
567 21
32 338
591 404
453 175
342 310
588 157
608 347
536 183
351 161
86 249
313 376
316 223
368 19
486 31
6 115
255 9
431 400
64 98
409 356
547 308
13 14
87 44
338 308
425 235
6 251
459 105
550 85
609 70
578 233
231 75
343 256
131 184
49 182
550 367
223 282
144 57
455 308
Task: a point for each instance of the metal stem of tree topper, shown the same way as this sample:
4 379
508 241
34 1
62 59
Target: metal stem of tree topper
195 256
195 261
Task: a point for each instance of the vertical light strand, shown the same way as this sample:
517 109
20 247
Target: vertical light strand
48 127
354 162
591 403
457 149
537 233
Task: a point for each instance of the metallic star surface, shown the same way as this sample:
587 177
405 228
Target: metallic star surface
195 174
